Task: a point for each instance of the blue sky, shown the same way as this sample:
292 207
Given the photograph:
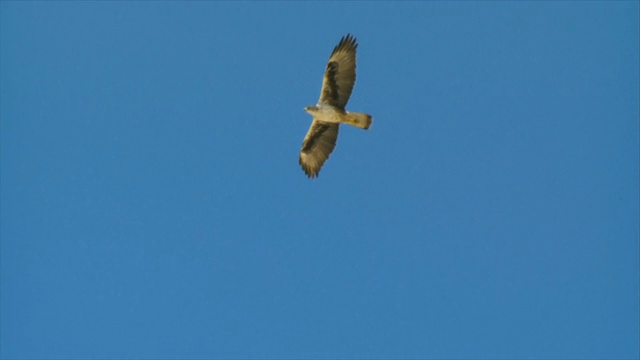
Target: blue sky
153 206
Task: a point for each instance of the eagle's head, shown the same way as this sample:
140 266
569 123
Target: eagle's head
311 109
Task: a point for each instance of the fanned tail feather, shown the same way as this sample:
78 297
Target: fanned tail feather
360 120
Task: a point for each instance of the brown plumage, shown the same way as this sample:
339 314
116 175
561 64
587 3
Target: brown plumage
337 84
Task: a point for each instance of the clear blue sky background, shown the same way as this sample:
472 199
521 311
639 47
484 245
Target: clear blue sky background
153 206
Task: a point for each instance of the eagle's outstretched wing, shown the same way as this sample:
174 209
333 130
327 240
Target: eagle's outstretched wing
340 75
317 146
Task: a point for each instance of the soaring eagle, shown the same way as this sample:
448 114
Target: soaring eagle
339 78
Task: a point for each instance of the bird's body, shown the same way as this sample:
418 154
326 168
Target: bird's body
339 78
332 114
326 113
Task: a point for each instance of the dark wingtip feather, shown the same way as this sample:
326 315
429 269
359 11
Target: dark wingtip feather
347 41
307 169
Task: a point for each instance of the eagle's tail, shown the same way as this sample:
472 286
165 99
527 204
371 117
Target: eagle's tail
360 120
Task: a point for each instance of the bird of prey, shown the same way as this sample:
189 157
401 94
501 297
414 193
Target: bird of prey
339 78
